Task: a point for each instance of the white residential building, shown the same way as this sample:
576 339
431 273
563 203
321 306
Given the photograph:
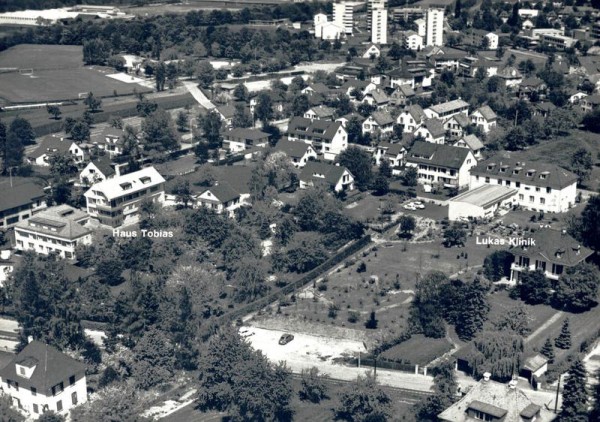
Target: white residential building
485 118
448 109
115 202
434 27
343 15
298 152
412 41
421 25
335 177
373 5
552 251
411 118
40 378
55 230
379 26
221 198
439 164
327 138
541 186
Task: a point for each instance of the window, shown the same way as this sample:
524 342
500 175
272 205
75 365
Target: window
531 199
33 391
521 197
17 385
74 398
59 406
57 389
21 370
537 189
487 180
542 200
548 190
35 408
518 184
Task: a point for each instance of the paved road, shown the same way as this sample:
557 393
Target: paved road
198 95
190 414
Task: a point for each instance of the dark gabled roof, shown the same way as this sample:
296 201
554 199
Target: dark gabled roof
556 247
461 119
52 367
530 411
473 142
322 111
227 111
416 111
223 192
331 172
244 133
516 170
532 82
52 145
292 149
435 127
355 83
23 192
393 149
438 155
319 87
509 72
321 129
379 97
488 409
487 112
382 118
104 164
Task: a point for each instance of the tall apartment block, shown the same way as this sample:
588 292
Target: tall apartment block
343 15
372 5
379 26
435 27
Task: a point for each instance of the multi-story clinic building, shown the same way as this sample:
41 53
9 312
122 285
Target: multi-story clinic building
115 202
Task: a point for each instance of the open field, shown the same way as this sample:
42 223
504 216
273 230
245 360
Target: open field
190 5
58 74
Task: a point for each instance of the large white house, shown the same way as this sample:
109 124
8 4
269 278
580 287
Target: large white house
335 177
411 118
551 251
40 379
327 138
440 164
447 109
55 230
56 145
299 153
116 201
541 186
485 118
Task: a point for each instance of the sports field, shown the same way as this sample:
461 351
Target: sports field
53 73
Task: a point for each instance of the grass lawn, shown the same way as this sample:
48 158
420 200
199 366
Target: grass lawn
323 411
418 350
500 303
58 74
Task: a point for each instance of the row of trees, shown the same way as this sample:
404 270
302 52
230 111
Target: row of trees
13 140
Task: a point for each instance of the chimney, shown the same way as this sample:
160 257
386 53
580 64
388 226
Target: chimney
486 376
512 384
5 255
29 339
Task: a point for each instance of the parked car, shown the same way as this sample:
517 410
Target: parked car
419 204
410 207
285 339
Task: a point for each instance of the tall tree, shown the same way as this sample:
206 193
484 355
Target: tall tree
54 111
263 110
359 163
160 76
241 381
563 341
95 52
582 164
313 387
22 129
154 359
364 400
473 310
93 104
159 132
577 288
535 287
211 126
205 72
575 395
445 387
548 351
587 229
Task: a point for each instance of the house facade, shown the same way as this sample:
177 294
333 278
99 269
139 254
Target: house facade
221 198
548 250
40 379
447 109
54 145
334 177
21 198
298 152
484 118
327 138
240 139
115 202
411 118
441 164
541 186
55 230
96 171
432 130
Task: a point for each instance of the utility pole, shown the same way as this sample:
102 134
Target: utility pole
557 392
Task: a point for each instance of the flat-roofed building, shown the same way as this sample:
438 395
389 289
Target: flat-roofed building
482 202
55 230
115 202
447 109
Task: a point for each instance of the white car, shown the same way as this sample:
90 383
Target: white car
419 205
410 207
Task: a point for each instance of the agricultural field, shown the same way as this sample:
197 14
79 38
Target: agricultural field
57 74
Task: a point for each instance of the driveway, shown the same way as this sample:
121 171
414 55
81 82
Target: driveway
306 351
